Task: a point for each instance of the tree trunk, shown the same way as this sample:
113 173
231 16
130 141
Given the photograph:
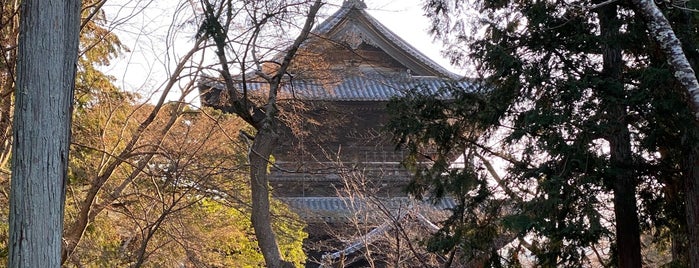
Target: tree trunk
628 240
46 66
265 141
661 30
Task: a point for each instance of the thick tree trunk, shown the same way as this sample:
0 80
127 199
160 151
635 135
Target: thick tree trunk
265 141
48 47
628 242
661 30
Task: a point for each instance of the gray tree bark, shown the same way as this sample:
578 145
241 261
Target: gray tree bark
261 218
661 30
265 142
47 56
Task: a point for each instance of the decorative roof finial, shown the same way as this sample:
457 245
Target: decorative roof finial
358 4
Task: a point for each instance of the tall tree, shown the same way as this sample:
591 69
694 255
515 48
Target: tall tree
613 92
663 33
572 89
263 116
138 172
124 157
48 52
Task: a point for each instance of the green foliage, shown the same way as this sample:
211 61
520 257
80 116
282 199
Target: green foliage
551 104
290 234
98 46
434 130
233 245
207 233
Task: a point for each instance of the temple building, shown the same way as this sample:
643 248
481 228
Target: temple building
363 65
339 166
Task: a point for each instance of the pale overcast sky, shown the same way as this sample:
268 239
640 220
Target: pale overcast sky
145 34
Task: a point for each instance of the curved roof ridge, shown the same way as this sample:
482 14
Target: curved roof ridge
359 4
325 26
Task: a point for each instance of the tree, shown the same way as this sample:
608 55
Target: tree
97 46
434 131
48 47
121 149
126 153
618 135
661 30
572 90
122 153
190 203
10 29
262 116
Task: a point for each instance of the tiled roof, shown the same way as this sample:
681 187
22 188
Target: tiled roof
359 88
365 85
338 209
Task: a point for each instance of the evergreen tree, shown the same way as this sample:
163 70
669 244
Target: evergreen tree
581 99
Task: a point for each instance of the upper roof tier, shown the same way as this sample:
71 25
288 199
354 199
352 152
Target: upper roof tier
351 56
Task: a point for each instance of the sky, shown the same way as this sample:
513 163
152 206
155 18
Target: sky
145 68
